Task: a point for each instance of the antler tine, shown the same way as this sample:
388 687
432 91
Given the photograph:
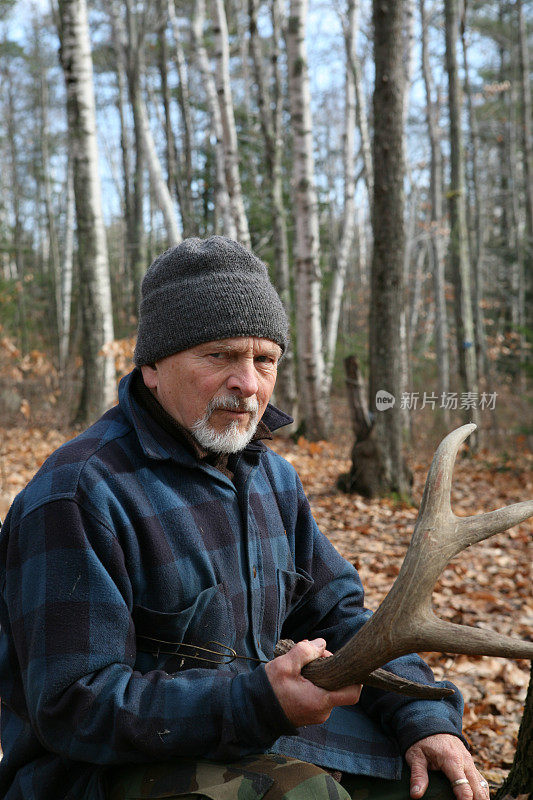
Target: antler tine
437 490
405 622
483 526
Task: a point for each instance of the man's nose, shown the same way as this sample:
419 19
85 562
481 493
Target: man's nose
243 379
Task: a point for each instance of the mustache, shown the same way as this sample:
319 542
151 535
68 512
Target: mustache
232 403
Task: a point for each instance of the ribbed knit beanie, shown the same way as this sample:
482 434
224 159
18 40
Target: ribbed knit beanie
203 290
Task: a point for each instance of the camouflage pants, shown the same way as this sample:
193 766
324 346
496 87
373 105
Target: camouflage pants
271 777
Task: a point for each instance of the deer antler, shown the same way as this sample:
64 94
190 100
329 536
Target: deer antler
405 622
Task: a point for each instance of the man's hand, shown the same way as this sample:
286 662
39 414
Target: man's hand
302 701
447 753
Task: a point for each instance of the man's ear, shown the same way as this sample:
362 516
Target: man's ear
150 376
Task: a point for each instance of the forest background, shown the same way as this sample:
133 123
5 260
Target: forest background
378 157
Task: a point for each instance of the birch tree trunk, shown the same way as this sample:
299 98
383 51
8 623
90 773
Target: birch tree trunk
53 252
224 221
459 257
229 132
527 156
99 368
270 105
306 246
361 114
132 42
66 269
387 289
159 185
129 299
162 63
15 191
437 218
476 248
348 224
187 204
405 334
143 130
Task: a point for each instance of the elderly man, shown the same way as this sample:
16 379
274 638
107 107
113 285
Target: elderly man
149 568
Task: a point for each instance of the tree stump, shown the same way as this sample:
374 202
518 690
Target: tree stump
366 473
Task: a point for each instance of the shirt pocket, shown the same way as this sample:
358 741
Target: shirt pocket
293 591
177 640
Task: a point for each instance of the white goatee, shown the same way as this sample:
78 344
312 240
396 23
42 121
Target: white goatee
232 438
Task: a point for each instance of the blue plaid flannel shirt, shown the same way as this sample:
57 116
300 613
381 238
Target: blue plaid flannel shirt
123 536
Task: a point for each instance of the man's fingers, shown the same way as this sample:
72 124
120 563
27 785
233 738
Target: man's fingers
461 786
419 775
305 651
478 784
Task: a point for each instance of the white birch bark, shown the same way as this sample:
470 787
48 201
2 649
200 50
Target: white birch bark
99 373
66 269
229 132
459 256
361 112
306 246
185 106
159 184
348 225
224 222
53 251
437 220
476 208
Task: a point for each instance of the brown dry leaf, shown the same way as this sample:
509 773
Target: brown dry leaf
25 409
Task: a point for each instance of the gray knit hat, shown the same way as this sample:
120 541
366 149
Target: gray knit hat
203 290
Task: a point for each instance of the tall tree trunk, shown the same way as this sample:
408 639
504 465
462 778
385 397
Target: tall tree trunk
16 195
190 227
306 247
437 219
459 257
224 221
361 114
476 248
408 64
162 63
527 156
348 223
99 368
127 292
227 115
53 251
270 102
159 185
142 126
133 39
387 290
66 268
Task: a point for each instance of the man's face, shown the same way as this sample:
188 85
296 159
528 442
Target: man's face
218 390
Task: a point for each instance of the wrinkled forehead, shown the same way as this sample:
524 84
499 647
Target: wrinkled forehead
240 344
